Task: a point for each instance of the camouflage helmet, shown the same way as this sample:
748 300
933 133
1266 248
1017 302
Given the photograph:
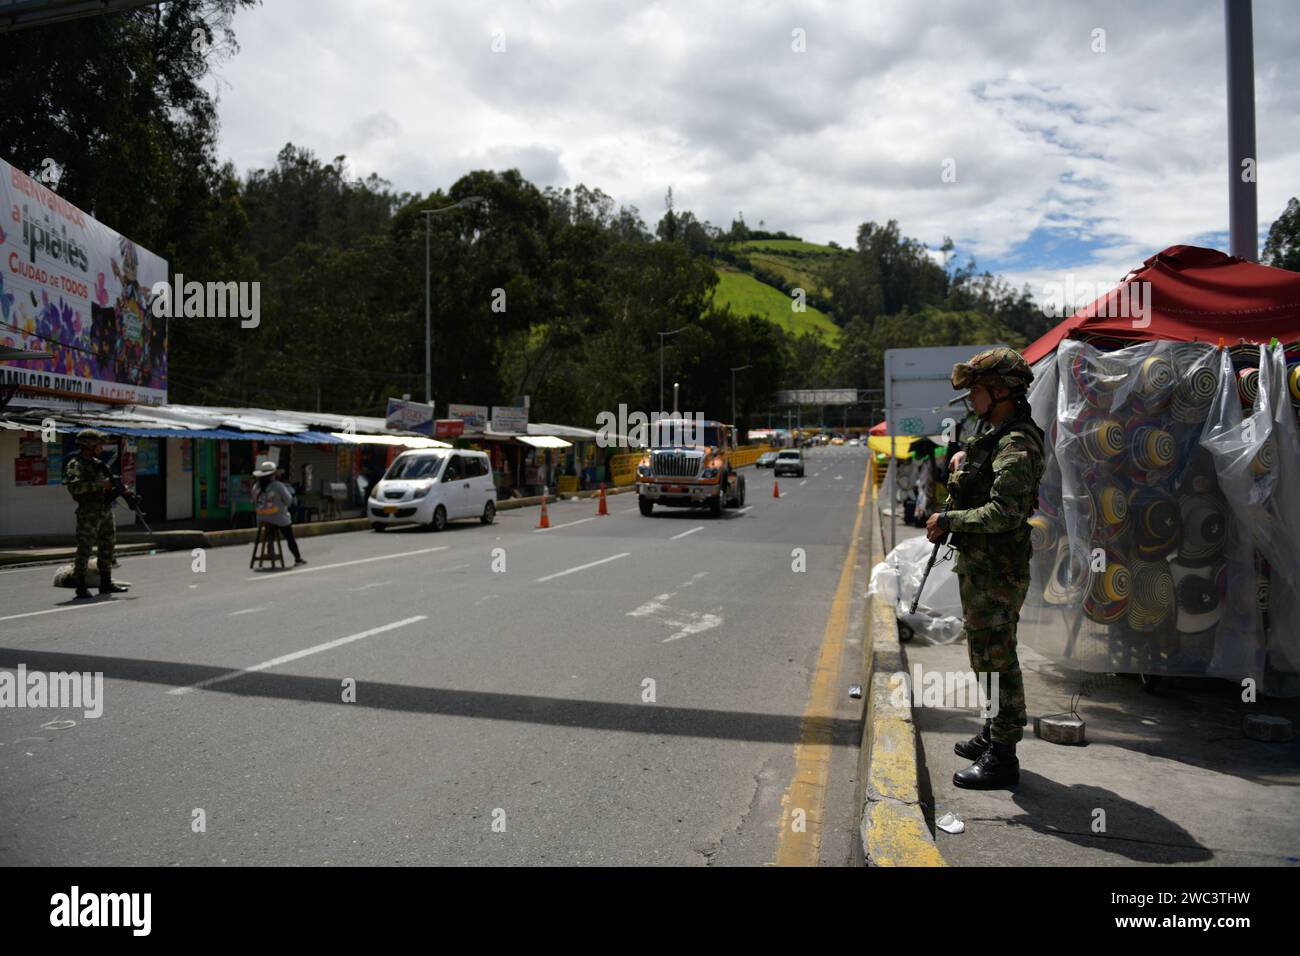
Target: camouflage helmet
90 436
994 367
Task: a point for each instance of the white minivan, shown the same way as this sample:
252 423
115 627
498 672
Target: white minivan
432 487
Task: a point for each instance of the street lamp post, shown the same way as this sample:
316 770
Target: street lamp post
428 299
741 368
662 336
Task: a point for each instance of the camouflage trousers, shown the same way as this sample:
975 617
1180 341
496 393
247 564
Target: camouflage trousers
991 600
95 532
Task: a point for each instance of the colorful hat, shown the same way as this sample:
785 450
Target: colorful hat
1293 382
1204 520
1102 438
1153 448
1156 526
1196 594
1152 597
1096 382
1266 458
1194 394
1043 533
1070 575
1154 389
1247 386
1109 591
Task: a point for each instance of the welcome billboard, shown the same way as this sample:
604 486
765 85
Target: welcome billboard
72 286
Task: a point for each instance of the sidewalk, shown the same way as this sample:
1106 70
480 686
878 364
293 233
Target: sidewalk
185 534
1164 778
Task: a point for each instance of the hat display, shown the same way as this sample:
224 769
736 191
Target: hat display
264 468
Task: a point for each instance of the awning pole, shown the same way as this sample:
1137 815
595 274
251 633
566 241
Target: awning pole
1243 165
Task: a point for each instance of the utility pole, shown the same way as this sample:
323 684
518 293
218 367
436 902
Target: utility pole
741 368
1243 165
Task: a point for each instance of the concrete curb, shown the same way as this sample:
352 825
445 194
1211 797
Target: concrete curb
892 830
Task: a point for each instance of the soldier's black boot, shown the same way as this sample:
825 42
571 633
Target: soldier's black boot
83 591
106 585
997 767
974 748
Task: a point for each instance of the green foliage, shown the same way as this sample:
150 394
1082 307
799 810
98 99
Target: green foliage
1282 248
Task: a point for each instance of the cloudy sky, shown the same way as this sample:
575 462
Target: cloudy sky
1069 159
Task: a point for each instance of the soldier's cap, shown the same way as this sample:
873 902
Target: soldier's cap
993 367
91 436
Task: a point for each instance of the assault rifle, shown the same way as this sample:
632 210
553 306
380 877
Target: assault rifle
128 496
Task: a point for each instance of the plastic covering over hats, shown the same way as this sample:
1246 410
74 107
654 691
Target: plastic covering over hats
1167 534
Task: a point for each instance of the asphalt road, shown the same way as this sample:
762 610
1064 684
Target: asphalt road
500 716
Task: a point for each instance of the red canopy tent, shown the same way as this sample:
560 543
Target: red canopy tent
1195 295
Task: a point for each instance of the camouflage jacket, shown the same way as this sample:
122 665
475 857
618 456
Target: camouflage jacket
991 504
82 475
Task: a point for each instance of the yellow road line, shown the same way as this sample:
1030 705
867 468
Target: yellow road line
800 840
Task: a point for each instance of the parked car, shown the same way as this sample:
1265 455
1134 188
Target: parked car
789 462
432 487
766 460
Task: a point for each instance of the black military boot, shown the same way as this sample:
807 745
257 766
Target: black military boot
83 592
106 585
997 767
974 748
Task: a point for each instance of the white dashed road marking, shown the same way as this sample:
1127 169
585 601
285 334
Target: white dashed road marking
582 567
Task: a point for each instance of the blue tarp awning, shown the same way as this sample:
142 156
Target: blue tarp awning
229 434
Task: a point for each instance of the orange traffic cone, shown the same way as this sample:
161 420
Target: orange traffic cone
604 508
776 489
546 521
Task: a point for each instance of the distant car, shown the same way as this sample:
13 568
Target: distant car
789 462
855 441
766 460
837 440
432 488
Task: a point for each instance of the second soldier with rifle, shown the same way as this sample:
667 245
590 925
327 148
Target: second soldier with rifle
95 488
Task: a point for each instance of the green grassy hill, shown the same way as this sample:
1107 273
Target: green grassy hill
747 295
758 274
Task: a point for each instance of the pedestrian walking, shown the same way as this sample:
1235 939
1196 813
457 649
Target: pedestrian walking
994 488
91 485
273 499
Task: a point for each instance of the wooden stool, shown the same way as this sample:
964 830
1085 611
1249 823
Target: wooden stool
266 547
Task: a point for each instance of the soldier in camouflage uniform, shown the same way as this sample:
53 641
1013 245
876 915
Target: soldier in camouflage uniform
91 484
994 490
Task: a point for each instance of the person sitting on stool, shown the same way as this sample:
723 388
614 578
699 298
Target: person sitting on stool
273 499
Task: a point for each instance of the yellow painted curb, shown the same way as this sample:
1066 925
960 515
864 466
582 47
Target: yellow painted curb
892 828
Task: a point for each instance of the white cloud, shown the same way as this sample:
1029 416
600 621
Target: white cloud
1125 148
